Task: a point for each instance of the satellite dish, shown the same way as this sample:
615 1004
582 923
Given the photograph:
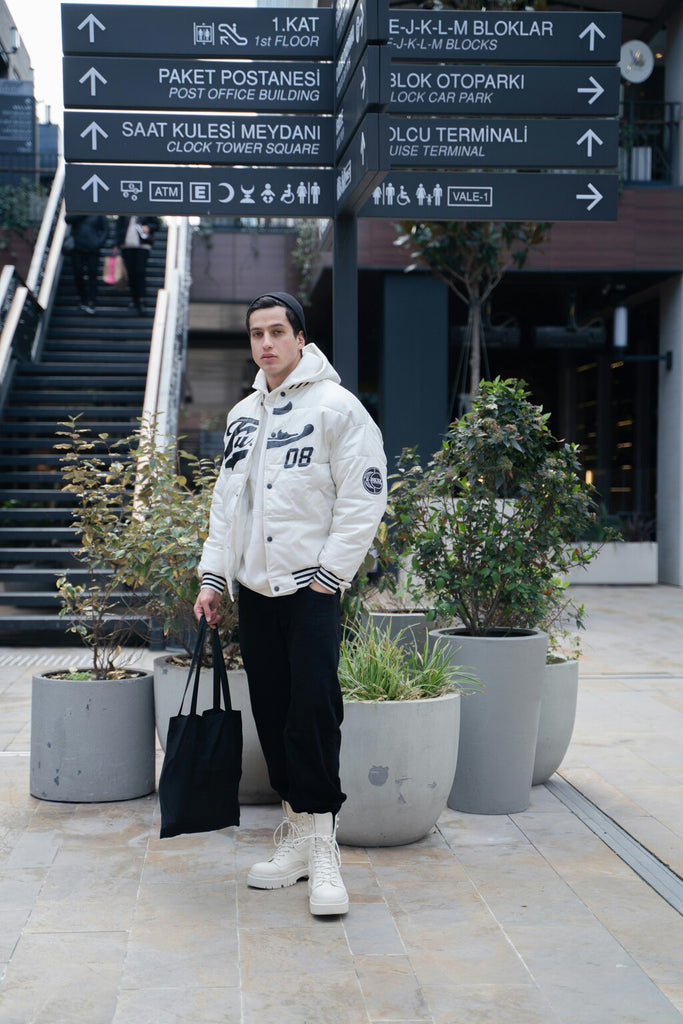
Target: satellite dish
636 61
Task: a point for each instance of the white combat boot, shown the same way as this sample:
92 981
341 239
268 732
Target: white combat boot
289 863
325 886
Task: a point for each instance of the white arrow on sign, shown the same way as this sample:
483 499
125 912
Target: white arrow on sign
363 83
96 183
93 74
589 138
362 147
95 130
594 195
595 88
591 31
91 22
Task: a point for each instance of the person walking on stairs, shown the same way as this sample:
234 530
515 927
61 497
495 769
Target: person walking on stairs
134 239
88 235
295 509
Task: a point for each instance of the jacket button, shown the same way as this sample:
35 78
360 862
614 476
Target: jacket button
282 394
276 589
269 539
269 487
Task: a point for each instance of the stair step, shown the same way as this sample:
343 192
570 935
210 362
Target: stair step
37 577
60 556
19 418
11 625
51 477
45 496
17 516
81 399
40 535
45 598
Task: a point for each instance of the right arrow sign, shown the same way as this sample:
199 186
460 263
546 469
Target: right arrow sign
431 195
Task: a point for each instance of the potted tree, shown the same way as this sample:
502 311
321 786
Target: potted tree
489 522
401 712
92 727
172 498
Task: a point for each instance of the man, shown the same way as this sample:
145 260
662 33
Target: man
296 506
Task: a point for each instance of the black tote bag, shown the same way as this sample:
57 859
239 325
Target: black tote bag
203 761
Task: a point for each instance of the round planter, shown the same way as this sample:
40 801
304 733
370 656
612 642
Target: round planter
556 723
92 740
169 683
412 624
396 768
498 727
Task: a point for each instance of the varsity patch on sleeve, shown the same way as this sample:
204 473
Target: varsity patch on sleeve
372 480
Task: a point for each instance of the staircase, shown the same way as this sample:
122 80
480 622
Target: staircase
93 365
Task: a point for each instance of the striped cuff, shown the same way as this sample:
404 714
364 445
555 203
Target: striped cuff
214 582
327 579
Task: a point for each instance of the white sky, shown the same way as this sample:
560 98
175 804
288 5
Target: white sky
40 27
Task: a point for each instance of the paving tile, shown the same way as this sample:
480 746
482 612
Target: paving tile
329 997
70 979
390 989
186 1005
488 1003
370 929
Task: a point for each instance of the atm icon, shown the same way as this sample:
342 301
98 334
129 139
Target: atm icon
166 191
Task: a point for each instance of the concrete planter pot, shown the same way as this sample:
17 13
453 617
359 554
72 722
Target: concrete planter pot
92 740
169 683
631 563
498 727
556 722
397 764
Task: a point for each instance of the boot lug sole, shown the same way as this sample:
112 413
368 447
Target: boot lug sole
262 882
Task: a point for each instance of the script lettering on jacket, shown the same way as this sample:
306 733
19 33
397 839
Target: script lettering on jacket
239 438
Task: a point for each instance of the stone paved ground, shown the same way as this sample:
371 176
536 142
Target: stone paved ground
522 919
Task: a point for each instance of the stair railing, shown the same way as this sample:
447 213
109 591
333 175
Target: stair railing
169 336
26 319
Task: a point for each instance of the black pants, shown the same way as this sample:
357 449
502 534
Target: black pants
135 261
290 648
86 267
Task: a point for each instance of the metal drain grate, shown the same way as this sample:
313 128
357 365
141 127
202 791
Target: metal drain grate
661 878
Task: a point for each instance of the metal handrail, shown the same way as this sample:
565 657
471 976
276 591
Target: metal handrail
54 201
167 348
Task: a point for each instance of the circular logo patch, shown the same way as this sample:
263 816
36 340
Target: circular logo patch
372 480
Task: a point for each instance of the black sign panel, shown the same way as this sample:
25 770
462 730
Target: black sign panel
364 164
368 25
199 138
503 142
17 117
497 89
228 191
282 86
368 89
197 31
448 195
511 36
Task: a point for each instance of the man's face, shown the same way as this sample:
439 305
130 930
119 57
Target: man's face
275 348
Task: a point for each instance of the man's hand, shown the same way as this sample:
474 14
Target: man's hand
208 603
319 588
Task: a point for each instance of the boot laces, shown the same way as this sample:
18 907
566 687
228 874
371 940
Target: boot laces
288 836
326 860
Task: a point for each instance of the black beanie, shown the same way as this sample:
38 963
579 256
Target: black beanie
286 300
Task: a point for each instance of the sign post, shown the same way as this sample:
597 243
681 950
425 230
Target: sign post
353 111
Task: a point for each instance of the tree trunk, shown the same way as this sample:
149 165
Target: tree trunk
475 346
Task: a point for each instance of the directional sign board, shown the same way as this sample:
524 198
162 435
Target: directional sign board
364 164
497 89
502 142
430 195
368 88
167 191
198 138
108 82
504 36
368 25
197 31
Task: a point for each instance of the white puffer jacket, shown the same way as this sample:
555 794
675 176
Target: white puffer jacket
324 484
